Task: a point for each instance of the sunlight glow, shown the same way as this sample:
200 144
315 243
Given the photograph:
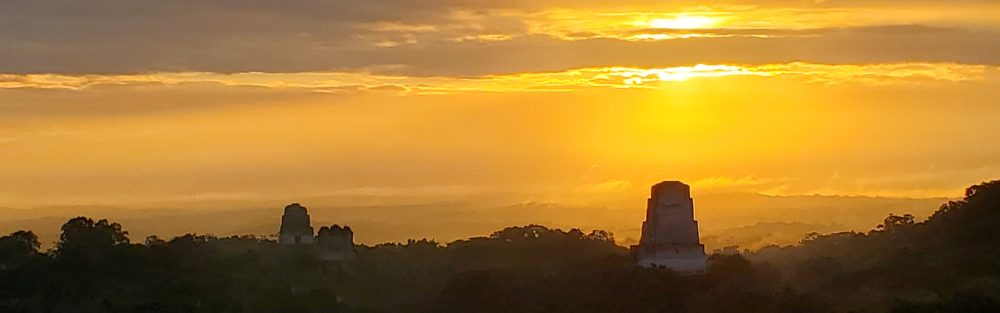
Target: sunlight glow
682 73
684 22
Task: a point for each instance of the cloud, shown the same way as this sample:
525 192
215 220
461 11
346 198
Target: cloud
731 183
574 79
469 38
608 186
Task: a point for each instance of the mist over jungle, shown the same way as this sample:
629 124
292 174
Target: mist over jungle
747 220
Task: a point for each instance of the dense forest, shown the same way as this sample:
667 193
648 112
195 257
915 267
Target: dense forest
948 263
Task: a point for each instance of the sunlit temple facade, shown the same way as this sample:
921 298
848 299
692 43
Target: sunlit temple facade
670 232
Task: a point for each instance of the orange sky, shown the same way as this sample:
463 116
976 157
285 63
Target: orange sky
569 102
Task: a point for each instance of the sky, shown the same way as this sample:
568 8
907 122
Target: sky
577 103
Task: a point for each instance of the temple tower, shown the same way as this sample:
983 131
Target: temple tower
670 233
336 243
295 226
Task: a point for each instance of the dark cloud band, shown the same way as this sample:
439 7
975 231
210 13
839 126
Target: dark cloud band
129 37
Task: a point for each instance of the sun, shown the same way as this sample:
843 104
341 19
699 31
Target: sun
684 22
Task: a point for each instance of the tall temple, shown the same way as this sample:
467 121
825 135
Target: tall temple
295 226
670 233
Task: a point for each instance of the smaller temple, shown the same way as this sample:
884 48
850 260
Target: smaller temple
670 232
336 243
296 228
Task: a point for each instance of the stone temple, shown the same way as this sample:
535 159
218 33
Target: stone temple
670 233
336 243
331 243
295 226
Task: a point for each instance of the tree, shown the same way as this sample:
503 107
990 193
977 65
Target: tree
152 240
601 235
895 222
83 235
17 248
521 233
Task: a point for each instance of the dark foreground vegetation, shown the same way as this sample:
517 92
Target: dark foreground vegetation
949 263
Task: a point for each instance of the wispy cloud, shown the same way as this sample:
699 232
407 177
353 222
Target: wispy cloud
608 186
610 77
728 181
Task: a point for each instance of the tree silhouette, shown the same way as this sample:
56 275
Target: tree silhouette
17 248
895 222
84 233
